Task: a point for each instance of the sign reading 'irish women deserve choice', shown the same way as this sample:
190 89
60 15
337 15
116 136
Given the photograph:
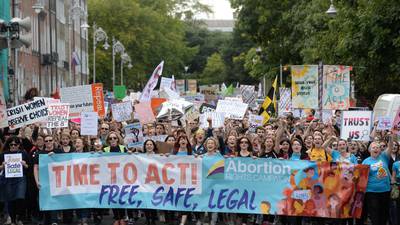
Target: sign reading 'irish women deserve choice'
210 183
28 113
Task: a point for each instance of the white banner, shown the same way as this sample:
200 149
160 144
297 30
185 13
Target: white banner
152 83
28 113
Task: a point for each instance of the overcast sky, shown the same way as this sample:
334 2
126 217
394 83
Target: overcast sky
222 10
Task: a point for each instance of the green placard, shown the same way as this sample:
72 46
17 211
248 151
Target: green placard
119 92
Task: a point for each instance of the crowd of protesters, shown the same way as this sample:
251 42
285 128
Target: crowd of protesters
286 137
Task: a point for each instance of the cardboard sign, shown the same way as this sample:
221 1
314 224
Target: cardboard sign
89 123
217 119
13 165
144 113
3 108
122 111
207 108
232 109
28 113
85 98
58 116
119 91
255 121
384 123
133 135
356 125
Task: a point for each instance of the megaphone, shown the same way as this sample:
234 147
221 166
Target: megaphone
24 40
24 23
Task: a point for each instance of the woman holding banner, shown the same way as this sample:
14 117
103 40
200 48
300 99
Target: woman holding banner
13 184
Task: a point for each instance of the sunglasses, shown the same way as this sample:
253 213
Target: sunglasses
113 138
13 144
48 140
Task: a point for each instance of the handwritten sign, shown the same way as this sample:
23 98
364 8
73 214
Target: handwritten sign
207 108
89 123
232 109
217 119
122 111
305 86
58 116
336 87
133 135
384 123
28 113
356 125
285 101
13 165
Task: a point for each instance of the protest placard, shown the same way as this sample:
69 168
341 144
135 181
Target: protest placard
255 121
180 86
119 91
305 86
133 135
192 86
156 138
156 104
122 111
89 123
384 123
144 113
207 108
217 119
27 113
248 94
58 115
198 184
285 101
13 165
48 101
232 109
84 98
356 125
3 108
336 87
396 122
166 82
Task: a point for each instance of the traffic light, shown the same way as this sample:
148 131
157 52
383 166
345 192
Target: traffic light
12 32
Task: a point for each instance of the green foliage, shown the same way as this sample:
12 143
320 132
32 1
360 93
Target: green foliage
215 70
149 30
364 34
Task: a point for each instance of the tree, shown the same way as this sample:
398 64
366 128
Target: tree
150 32
215 70
364 34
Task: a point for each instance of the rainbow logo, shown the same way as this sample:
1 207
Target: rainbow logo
217 170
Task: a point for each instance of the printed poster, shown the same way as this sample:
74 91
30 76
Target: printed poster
336 87
122 111
58 116
305 86
356 125
28 113
133 135
285 101
202 184
89 123
13 166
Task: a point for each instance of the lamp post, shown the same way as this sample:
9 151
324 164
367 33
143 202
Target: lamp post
125 58
332 10
117 47
98 35
75 12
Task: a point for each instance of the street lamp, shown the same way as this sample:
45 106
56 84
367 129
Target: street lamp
125 58
75 12
98 35
117 47
38 7
332 10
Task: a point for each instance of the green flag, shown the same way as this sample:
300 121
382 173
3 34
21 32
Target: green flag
229 90
119 92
